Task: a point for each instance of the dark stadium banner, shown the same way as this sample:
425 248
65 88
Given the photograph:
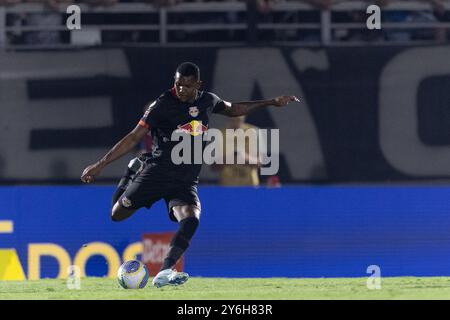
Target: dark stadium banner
374 114
295 232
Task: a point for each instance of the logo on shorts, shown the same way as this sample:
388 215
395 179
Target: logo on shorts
193 111
126 202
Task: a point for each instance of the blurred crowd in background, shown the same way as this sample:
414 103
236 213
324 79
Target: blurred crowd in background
263 5
258 11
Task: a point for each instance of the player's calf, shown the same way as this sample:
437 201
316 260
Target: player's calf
188 217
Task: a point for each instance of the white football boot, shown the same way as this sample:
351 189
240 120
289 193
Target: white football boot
169 277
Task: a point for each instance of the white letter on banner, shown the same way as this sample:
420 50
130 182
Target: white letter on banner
398 120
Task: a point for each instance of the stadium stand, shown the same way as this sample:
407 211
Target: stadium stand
37 24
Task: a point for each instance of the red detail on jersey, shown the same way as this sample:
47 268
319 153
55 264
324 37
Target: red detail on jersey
142 123
187 127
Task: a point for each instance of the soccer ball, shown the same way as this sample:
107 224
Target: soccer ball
132 274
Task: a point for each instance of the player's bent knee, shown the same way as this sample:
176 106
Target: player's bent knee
192 214
115 217
119 213
183 212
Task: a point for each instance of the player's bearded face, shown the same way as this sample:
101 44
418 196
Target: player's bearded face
186 88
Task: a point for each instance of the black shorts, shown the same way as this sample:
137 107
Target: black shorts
151 186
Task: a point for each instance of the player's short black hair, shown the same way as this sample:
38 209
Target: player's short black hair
187 69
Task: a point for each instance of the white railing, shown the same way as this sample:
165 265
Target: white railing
164 25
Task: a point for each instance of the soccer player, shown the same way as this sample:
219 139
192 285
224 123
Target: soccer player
183 106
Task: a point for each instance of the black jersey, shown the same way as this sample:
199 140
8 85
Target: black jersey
168 114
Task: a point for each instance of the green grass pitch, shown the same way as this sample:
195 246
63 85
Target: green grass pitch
236 289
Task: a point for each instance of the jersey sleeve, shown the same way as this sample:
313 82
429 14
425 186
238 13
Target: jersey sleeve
151 115
218 104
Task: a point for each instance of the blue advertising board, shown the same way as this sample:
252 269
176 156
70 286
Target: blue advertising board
298 231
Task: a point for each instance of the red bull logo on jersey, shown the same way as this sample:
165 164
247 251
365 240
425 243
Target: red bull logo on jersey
194 128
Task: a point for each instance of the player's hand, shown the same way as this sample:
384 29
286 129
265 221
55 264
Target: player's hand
282 101
90 173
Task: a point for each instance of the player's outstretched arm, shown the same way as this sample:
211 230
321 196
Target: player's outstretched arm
236 109
121 148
